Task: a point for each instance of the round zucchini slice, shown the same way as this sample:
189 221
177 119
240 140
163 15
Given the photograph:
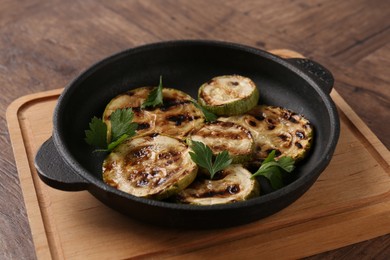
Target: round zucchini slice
234 184
228 95
221 136
151 166
276 128
176 117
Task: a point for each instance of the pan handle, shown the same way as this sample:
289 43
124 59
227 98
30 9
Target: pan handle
55 172
316 71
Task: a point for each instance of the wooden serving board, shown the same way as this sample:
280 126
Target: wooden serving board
349 203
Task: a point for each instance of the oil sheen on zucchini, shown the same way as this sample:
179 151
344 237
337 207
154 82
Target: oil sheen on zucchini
176 117
233 184
228 95
221 136
151 166
276 128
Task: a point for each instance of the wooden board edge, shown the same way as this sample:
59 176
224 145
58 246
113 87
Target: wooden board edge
15 105
285 53
376 147
37 225
294 247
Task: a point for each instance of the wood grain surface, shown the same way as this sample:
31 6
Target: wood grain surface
44 44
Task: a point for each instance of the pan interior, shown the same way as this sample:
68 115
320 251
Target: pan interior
184 67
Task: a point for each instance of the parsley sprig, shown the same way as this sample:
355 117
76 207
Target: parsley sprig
273 170
209 117
155 97
122 128
203 156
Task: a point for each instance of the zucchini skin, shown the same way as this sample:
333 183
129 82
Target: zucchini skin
236 107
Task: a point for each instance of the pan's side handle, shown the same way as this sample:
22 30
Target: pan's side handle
316 71
55 172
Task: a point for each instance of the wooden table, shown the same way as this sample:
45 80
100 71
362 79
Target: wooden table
44 44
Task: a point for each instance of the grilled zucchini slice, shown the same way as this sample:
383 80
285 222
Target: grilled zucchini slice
276 128
151 166
228 95
176 117
234 184
221 136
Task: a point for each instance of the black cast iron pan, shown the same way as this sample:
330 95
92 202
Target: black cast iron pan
66 162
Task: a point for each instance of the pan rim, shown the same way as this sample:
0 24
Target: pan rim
72 162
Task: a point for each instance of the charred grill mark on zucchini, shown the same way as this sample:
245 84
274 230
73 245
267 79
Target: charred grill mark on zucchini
252 123
229 190
300 134
152 166
222 192
221 136
276 128
180 118
284 137
138 154
259 117
172 102
177 116
233 185
142 126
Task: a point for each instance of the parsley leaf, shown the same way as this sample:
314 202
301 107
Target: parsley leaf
222 160
122 128
203 156
120 125
273 170
155 97
97 133
210 117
